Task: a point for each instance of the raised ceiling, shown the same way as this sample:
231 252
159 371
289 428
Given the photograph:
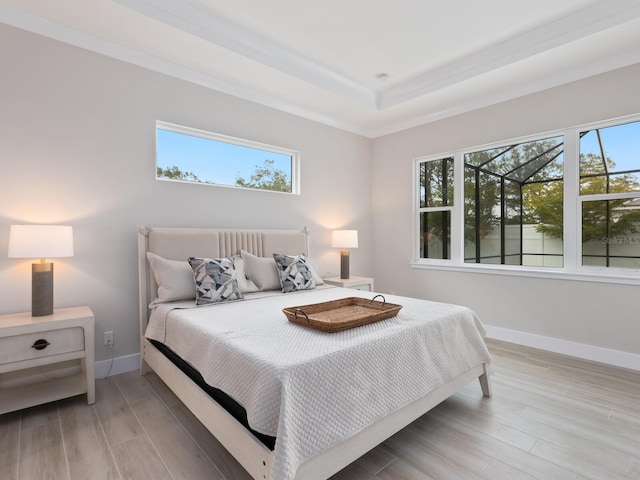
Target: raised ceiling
322 60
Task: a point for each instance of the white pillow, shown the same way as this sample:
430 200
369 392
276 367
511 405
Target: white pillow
174 279
244 284
261 270
311 265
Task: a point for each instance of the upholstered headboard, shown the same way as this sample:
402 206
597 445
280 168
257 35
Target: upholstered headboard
182 243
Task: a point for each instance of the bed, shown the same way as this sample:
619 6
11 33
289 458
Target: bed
309 402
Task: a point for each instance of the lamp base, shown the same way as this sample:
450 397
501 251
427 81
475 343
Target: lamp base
41 289
344 264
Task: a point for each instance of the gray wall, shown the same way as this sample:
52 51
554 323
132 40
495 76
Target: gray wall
77 137
597 314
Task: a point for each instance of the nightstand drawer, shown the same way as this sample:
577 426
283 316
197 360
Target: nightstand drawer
366 288
355 283
23 347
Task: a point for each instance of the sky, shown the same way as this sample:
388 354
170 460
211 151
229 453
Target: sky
211 160
621 144
222 163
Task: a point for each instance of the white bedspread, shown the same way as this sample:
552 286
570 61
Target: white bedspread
311 389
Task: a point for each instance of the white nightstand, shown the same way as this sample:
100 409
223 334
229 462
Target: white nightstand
357 283
27 342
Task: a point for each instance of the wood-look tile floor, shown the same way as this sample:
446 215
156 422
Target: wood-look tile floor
551 417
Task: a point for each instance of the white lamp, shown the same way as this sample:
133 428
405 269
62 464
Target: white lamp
41 241
344 239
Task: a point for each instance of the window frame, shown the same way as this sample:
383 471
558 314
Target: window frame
443 208
572 245
582 198
218 137
502 146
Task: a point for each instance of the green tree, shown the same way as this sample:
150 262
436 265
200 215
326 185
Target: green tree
174 173
488 190
597 216
436 190
543 205
266 177
544 202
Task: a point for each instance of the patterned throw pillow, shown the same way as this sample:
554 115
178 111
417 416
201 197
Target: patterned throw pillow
294 273
215 280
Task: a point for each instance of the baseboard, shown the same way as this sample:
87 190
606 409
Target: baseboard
566 347
124 364
617 358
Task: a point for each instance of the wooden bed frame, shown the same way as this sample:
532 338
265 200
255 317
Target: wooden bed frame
178 244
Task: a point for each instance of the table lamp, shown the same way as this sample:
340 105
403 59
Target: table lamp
344 239
41 241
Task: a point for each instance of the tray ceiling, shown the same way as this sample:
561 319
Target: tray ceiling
367 66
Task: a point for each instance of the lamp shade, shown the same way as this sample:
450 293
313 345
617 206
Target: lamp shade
344 239
40 241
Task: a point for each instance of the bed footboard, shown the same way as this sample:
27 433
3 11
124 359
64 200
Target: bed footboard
339 456
257 459
245 448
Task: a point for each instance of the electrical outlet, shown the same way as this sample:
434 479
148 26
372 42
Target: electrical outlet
108 338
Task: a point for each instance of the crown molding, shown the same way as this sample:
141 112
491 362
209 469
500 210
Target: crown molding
595 18
611 63
617 12
184 16
40 26
223 33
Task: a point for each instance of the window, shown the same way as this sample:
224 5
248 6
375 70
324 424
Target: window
610 196
513 204
190 155
564 204
436 201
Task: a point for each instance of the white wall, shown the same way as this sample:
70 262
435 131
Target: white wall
606 316
77 147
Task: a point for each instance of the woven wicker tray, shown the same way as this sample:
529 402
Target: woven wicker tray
342 314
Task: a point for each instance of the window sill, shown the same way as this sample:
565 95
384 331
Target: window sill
586 274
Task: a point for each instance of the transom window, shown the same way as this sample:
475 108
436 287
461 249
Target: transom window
190 155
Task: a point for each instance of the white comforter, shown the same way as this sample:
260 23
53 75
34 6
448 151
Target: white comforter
311 389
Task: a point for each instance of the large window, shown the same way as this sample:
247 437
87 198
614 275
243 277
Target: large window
513 204
436 201
610 196
190 155
567 203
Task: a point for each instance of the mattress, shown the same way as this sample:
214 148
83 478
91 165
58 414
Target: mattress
229 404
310 389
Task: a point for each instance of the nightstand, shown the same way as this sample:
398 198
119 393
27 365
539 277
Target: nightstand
357 283
28 342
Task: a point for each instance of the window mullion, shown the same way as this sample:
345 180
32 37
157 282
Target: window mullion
457 216
572 230
610 196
